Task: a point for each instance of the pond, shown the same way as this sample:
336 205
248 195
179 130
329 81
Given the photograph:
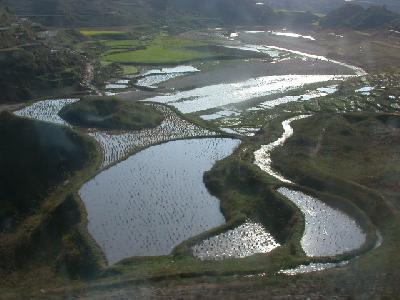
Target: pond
156 199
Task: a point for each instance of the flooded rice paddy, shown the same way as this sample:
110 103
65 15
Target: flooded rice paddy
156 199
152 78
118 145
46 110
263 155
152 81
279 50
292 34
328 231
213 96
116 86
319 92
172 70
283 33
366 91
313 267
248 239
220 114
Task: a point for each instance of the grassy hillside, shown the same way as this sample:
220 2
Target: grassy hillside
187 13
354 156
363 148
35 158
42 224
325 6
35 62
110 113
356 17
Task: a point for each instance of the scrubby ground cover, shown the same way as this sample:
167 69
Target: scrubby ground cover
354 157
35 62
344 97
38 157
246 193
42 223
360 147
111 114
182 260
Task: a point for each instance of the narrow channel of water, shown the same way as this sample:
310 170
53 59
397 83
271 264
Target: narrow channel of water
328 231
263 155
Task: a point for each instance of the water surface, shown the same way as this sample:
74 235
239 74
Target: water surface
328 231
116 145
223 94
156 199
262 157
245 240
46 110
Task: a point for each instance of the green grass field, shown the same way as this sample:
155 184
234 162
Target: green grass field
127 70
162 49
97 33
122 44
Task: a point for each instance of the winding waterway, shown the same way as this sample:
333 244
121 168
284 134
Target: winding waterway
328 231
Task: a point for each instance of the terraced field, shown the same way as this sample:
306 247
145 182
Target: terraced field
269 162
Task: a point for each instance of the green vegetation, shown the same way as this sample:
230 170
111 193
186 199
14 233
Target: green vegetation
165 49
245 193
385 97
43 225
33 63
158 13
110 113
127 70
116 57
101 33
358 147
356 17
30 73
37 157
353 156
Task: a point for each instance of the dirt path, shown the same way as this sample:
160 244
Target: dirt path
11 107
